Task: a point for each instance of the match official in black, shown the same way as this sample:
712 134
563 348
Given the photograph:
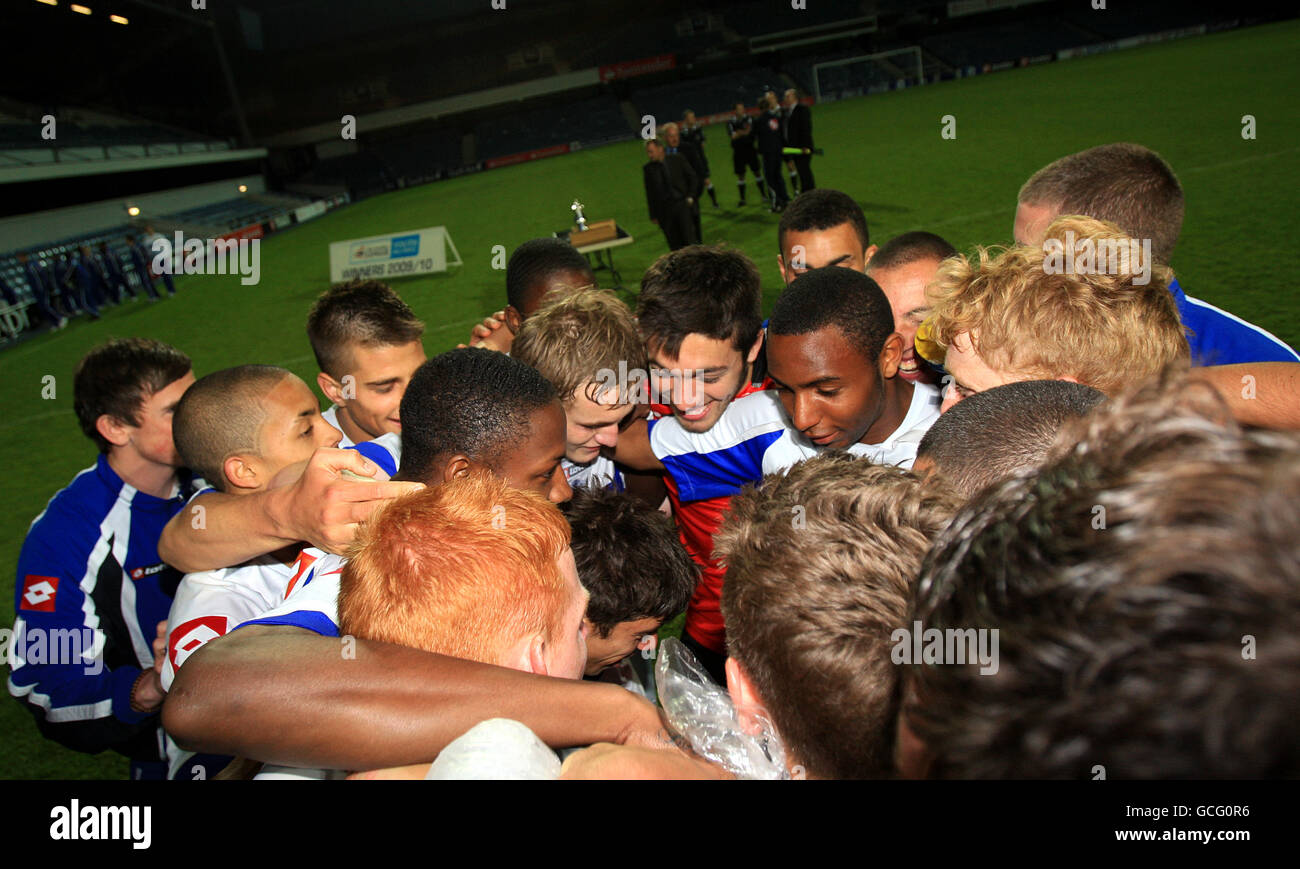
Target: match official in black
741 130
798 134
671 188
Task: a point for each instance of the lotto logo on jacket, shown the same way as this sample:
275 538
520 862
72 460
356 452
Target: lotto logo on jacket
38 593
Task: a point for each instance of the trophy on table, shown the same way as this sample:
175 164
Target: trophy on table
576 208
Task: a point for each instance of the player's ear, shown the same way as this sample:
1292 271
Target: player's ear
457 466
115 431
744 698
514 319
332 388
891 354
870 252
537 655
758 345
780 266
240 472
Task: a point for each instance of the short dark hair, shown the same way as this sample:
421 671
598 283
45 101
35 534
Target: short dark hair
220 416
701 289
629 557
910 247
1129 185
1125 579
118 377
820 567
822 208
833 296
532 264
472 401
998 432
368 313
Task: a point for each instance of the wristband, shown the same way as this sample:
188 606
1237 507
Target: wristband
135 707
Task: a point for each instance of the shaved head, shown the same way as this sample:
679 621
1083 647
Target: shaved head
220 416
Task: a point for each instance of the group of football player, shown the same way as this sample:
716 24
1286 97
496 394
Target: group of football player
937 515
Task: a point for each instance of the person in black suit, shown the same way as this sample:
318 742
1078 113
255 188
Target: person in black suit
770 141
671 191
798 134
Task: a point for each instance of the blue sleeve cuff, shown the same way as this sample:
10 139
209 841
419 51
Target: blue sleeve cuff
309 620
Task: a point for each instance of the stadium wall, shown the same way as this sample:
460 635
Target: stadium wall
33 230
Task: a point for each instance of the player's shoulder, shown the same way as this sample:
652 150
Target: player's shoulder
81 505
385 451
261 567
927 402
749 416
320 573
1221 337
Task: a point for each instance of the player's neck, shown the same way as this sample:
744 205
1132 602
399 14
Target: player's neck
897 399
142 474
350 429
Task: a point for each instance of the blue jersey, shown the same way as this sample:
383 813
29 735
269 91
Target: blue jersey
91 590
34 281
1220 338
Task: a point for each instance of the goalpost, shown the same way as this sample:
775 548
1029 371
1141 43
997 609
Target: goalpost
867 74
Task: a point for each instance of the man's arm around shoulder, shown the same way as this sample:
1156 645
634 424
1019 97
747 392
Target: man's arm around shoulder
288 696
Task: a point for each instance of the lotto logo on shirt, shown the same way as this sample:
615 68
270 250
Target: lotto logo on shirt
140 573
188 637
38 593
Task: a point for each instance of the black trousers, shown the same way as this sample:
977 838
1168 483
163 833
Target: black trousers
773 170
678 225
803 165
741 159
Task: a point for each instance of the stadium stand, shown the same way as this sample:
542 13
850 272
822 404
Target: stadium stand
760 18
593 121
705 96
1139 20
1003 42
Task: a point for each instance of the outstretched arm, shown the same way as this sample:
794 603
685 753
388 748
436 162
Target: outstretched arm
218 530
285 695
633 448
1263 394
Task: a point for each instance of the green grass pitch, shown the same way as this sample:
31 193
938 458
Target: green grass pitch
1185 99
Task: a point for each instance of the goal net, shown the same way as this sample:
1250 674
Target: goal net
867 74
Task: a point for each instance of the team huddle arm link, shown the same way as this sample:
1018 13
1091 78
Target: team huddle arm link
287 696
218 530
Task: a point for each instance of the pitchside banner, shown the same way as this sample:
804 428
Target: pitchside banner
415 252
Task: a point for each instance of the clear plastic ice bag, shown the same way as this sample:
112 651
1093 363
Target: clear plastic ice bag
701 711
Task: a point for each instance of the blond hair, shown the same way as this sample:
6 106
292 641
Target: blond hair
1105 330
572 339
466 568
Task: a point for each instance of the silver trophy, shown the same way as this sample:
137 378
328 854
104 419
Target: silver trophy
576 207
